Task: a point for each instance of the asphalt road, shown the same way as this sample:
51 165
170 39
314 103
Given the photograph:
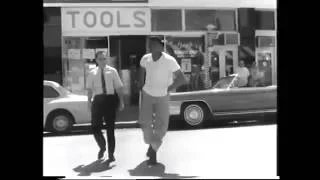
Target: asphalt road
243 150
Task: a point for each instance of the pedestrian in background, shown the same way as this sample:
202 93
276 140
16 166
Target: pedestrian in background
160 68
255 75
243 73
106 88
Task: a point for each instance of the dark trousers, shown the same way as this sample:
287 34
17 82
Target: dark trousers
104 108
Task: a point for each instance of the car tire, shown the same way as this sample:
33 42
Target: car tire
195 114
60 122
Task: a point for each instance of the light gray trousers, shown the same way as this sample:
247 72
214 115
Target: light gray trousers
154 128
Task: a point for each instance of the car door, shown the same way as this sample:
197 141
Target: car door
248 99
255 98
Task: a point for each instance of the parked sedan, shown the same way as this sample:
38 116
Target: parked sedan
62 109
223 101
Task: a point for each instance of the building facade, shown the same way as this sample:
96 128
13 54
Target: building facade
207 37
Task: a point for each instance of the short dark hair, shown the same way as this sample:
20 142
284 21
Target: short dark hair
157 39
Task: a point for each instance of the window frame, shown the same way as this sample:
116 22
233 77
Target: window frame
274 17
212 9
167 8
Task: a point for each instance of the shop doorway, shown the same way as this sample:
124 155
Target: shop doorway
128 50
224 60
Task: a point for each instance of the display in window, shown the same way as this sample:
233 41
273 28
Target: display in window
188 51
88 54
265 66
76 76
74 54
186 65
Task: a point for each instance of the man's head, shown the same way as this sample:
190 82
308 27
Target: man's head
241 63
156 44
101 58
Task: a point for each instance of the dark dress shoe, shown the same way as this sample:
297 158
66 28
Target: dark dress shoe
101 154
111 159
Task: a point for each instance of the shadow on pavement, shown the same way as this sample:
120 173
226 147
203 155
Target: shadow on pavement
158 170
82 130
96 166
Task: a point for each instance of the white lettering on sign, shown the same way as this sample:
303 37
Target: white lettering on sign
107 20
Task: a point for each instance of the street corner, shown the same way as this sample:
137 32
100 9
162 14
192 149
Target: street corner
127 124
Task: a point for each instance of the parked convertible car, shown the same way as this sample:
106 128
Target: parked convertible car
224 101
62 109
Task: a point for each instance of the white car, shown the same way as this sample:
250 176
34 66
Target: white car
62 109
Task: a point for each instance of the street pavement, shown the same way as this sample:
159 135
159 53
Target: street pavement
227 152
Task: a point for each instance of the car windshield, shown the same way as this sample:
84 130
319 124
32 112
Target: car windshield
224 82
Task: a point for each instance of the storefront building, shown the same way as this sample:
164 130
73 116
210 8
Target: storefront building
207 37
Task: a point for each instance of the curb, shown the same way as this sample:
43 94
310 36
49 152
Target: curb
127 124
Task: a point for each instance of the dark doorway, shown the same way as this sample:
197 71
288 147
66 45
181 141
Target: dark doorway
128 51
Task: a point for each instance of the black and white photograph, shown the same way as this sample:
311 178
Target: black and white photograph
152 89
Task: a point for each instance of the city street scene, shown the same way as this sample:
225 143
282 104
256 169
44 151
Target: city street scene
137 89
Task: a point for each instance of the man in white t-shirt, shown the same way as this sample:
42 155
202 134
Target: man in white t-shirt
160 68
243 73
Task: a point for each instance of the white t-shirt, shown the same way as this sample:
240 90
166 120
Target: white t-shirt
243 75
159 73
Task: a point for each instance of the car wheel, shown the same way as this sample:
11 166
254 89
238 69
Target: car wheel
60 122
195 114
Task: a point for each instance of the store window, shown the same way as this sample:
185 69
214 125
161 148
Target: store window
264 64
229 63
166 20
198 20
265 20
79 59
265 41
188 51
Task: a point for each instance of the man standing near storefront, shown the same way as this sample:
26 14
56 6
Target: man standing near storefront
160 68
243 73
106 88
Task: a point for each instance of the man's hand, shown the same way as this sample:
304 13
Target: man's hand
178 81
